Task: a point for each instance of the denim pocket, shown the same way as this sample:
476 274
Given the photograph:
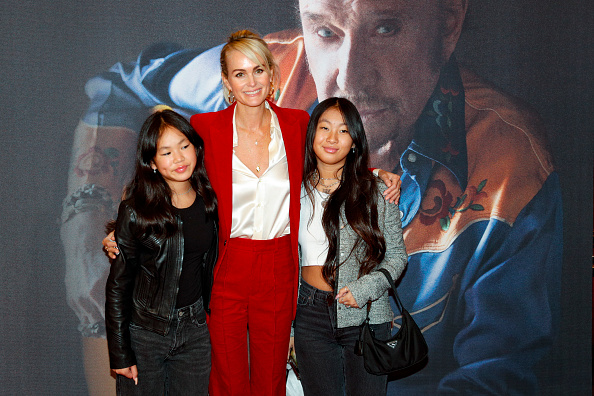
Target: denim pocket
199 319
302 298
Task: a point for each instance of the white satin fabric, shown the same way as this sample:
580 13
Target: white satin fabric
261 204
312 238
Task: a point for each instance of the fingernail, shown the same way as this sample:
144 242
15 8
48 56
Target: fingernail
135 381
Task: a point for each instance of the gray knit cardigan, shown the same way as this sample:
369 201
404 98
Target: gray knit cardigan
373 286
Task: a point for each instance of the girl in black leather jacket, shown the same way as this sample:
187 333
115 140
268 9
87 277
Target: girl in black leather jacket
159 285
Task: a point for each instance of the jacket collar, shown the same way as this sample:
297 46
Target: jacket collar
440 132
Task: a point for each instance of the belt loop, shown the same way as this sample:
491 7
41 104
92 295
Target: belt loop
192 311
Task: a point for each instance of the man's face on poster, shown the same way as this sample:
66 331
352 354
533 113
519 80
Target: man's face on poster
383 55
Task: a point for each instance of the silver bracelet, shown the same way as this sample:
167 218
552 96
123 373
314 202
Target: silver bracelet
90 197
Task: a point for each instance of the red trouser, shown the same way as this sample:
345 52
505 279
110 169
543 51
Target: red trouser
253 290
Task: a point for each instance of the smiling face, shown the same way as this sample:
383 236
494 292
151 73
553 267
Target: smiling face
247 80
383 55
175 159
332 142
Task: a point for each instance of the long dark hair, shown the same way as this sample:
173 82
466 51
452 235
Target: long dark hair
148 193
357 193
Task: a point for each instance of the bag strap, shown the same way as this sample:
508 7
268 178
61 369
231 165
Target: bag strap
393 287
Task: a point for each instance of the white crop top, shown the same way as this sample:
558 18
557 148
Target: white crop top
312 239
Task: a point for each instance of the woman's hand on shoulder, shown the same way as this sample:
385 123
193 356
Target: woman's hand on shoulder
393 182
129 372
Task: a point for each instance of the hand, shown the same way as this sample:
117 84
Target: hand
110 246
393 182
346 298
291 347
129 372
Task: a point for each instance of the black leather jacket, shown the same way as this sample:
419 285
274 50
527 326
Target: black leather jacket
143 283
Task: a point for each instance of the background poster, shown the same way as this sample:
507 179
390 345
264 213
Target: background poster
540 52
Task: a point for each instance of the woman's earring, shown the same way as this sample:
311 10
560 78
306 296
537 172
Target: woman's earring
155 170
352 150
231 97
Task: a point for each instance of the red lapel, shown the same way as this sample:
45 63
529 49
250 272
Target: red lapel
294 147
292 138
221 137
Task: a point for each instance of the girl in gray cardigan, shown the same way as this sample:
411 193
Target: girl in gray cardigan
347 232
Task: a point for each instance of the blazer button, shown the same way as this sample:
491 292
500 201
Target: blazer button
225 242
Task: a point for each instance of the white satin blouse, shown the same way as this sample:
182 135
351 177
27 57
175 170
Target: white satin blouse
261 204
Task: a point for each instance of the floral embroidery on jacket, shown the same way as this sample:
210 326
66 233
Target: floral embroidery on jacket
473 194
442 199
443 209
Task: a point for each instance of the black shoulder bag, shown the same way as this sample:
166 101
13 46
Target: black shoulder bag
403 350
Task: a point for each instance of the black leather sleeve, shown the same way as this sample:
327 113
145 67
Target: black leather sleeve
119 290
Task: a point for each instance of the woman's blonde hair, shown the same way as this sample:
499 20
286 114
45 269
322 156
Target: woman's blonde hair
251 45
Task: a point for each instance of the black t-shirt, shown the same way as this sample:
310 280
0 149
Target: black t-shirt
198 233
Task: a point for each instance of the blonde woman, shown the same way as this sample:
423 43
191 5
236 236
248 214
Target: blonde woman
254 158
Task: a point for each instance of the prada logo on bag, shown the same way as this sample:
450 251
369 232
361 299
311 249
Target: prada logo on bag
392 344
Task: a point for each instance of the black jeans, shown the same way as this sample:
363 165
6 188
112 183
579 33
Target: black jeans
325 354
175 364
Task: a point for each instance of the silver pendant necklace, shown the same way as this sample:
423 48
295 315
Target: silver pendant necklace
326 188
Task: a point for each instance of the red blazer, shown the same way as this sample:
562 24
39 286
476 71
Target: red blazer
216 129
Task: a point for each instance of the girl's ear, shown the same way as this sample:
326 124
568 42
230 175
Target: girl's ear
153 166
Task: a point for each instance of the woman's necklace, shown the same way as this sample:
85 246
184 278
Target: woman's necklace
258 168
184 193
326 188
249 148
